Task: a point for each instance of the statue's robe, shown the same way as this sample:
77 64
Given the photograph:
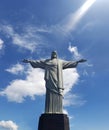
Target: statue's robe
54 81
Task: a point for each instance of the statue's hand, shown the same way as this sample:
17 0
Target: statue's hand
25 61
61 91
82 60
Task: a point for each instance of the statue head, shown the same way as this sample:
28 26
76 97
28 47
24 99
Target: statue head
53 54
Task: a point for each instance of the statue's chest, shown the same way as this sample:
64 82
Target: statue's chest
52 64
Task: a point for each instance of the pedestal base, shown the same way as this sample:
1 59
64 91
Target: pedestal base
53 122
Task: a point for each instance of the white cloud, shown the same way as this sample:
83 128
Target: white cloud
16 69
74 51
33 85
74 100
70 77
9 125
1 44
24 42
28 39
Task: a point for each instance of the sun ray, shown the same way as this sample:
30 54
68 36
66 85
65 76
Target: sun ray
74 18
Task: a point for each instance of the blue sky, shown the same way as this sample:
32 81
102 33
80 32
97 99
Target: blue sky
32 29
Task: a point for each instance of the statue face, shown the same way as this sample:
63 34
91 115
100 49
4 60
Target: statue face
53 55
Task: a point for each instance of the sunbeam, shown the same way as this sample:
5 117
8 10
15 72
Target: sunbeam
74 18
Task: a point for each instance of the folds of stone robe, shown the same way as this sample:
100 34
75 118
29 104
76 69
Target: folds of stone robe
53 81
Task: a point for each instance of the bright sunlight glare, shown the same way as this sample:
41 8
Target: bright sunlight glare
87 5
74 18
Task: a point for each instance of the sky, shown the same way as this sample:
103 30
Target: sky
32 29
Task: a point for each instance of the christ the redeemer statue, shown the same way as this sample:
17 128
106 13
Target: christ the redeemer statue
53 80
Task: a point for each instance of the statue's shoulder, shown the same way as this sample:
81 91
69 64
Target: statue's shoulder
47 60
61 60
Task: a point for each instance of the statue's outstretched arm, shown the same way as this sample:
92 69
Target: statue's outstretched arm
35 63
26 61
82 60
72 64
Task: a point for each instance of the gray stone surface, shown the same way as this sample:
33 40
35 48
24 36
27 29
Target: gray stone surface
54 80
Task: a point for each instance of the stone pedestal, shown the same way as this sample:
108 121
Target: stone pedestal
53 122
